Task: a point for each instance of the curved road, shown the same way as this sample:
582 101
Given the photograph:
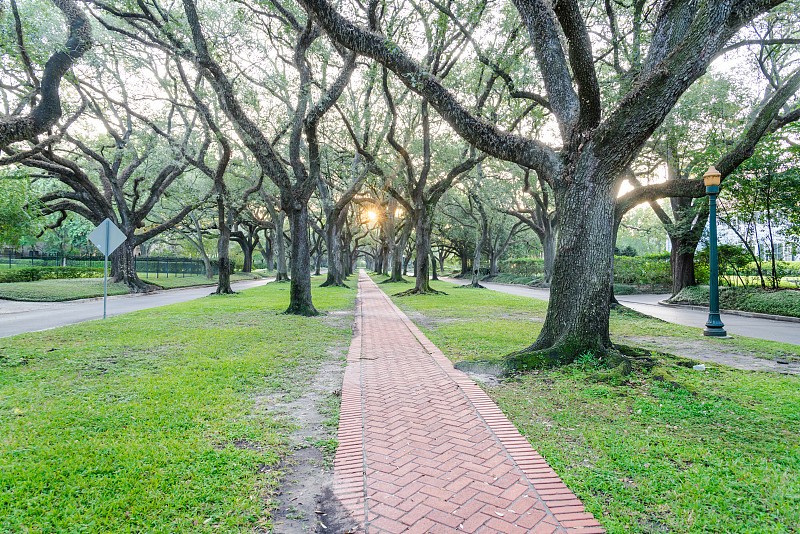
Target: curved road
783 331
20 317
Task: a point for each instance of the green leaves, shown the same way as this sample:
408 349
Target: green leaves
17 207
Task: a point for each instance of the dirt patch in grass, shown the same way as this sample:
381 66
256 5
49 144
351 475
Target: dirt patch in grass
305 502
429 322
715 351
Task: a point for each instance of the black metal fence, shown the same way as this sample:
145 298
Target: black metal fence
145 265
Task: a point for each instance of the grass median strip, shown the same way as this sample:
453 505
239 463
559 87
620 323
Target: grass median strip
667 450
82 288
156 421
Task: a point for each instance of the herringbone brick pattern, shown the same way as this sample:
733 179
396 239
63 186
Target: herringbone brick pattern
422 449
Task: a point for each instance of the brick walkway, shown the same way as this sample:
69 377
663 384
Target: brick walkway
422 449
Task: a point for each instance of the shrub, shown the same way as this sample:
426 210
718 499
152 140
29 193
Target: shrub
523 266
629 270
622 289
627 251
32 274
751 299
643 270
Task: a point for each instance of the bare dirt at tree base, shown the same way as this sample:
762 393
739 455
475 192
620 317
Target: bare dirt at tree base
715 351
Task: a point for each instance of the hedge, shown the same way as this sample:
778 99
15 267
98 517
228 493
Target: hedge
751 299
32 274
637 270
523 266
643 270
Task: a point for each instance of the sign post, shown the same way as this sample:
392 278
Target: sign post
106 237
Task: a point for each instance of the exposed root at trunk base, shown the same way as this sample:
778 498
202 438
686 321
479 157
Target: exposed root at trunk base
615 365
330 283
416 291
138 286
472 286
304 310
226 291
401 280
620 358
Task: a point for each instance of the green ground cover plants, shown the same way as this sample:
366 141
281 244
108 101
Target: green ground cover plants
32 274
751 299
158 421
668 450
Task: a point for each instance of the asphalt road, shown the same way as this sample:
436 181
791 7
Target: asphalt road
20 317
735 325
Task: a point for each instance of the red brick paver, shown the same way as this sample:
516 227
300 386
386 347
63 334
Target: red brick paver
422 448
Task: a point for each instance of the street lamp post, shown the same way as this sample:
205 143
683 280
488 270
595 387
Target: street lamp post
714 326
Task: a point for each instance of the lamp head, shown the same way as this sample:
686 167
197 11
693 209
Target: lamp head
711 180
712 176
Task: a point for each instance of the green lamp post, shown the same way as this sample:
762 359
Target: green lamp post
714 326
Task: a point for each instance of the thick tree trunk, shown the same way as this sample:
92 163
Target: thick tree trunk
549 256
434 276
422 260
280 247
398 262
122 264
318 264
247 266
300 284
223 251
208 267
494 267
269 253
333 241
464 264
480 237
577 318
681 259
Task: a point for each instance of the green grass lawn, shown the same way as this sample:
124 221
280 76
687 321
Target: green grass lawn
157 421
712 452
81 288
174 282
59 290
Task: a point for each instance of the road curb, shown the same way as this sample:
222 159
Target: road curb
740 313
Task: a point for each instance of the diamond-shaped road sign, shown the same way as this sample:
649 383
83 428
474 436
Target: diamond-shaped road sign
107 237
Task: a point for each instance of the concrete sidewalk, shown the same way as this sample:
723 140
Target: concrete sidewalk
737 325
423 449
20 317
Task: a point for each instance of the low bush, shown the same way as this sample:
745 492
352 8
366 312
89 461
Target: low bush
628 270
32 274
508 278
750 299
622 289
523 266
643 270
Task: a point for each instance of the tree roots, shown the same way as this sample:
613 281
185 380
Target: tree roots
330 283
390 280
224 291
303 310
614 366
416 291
